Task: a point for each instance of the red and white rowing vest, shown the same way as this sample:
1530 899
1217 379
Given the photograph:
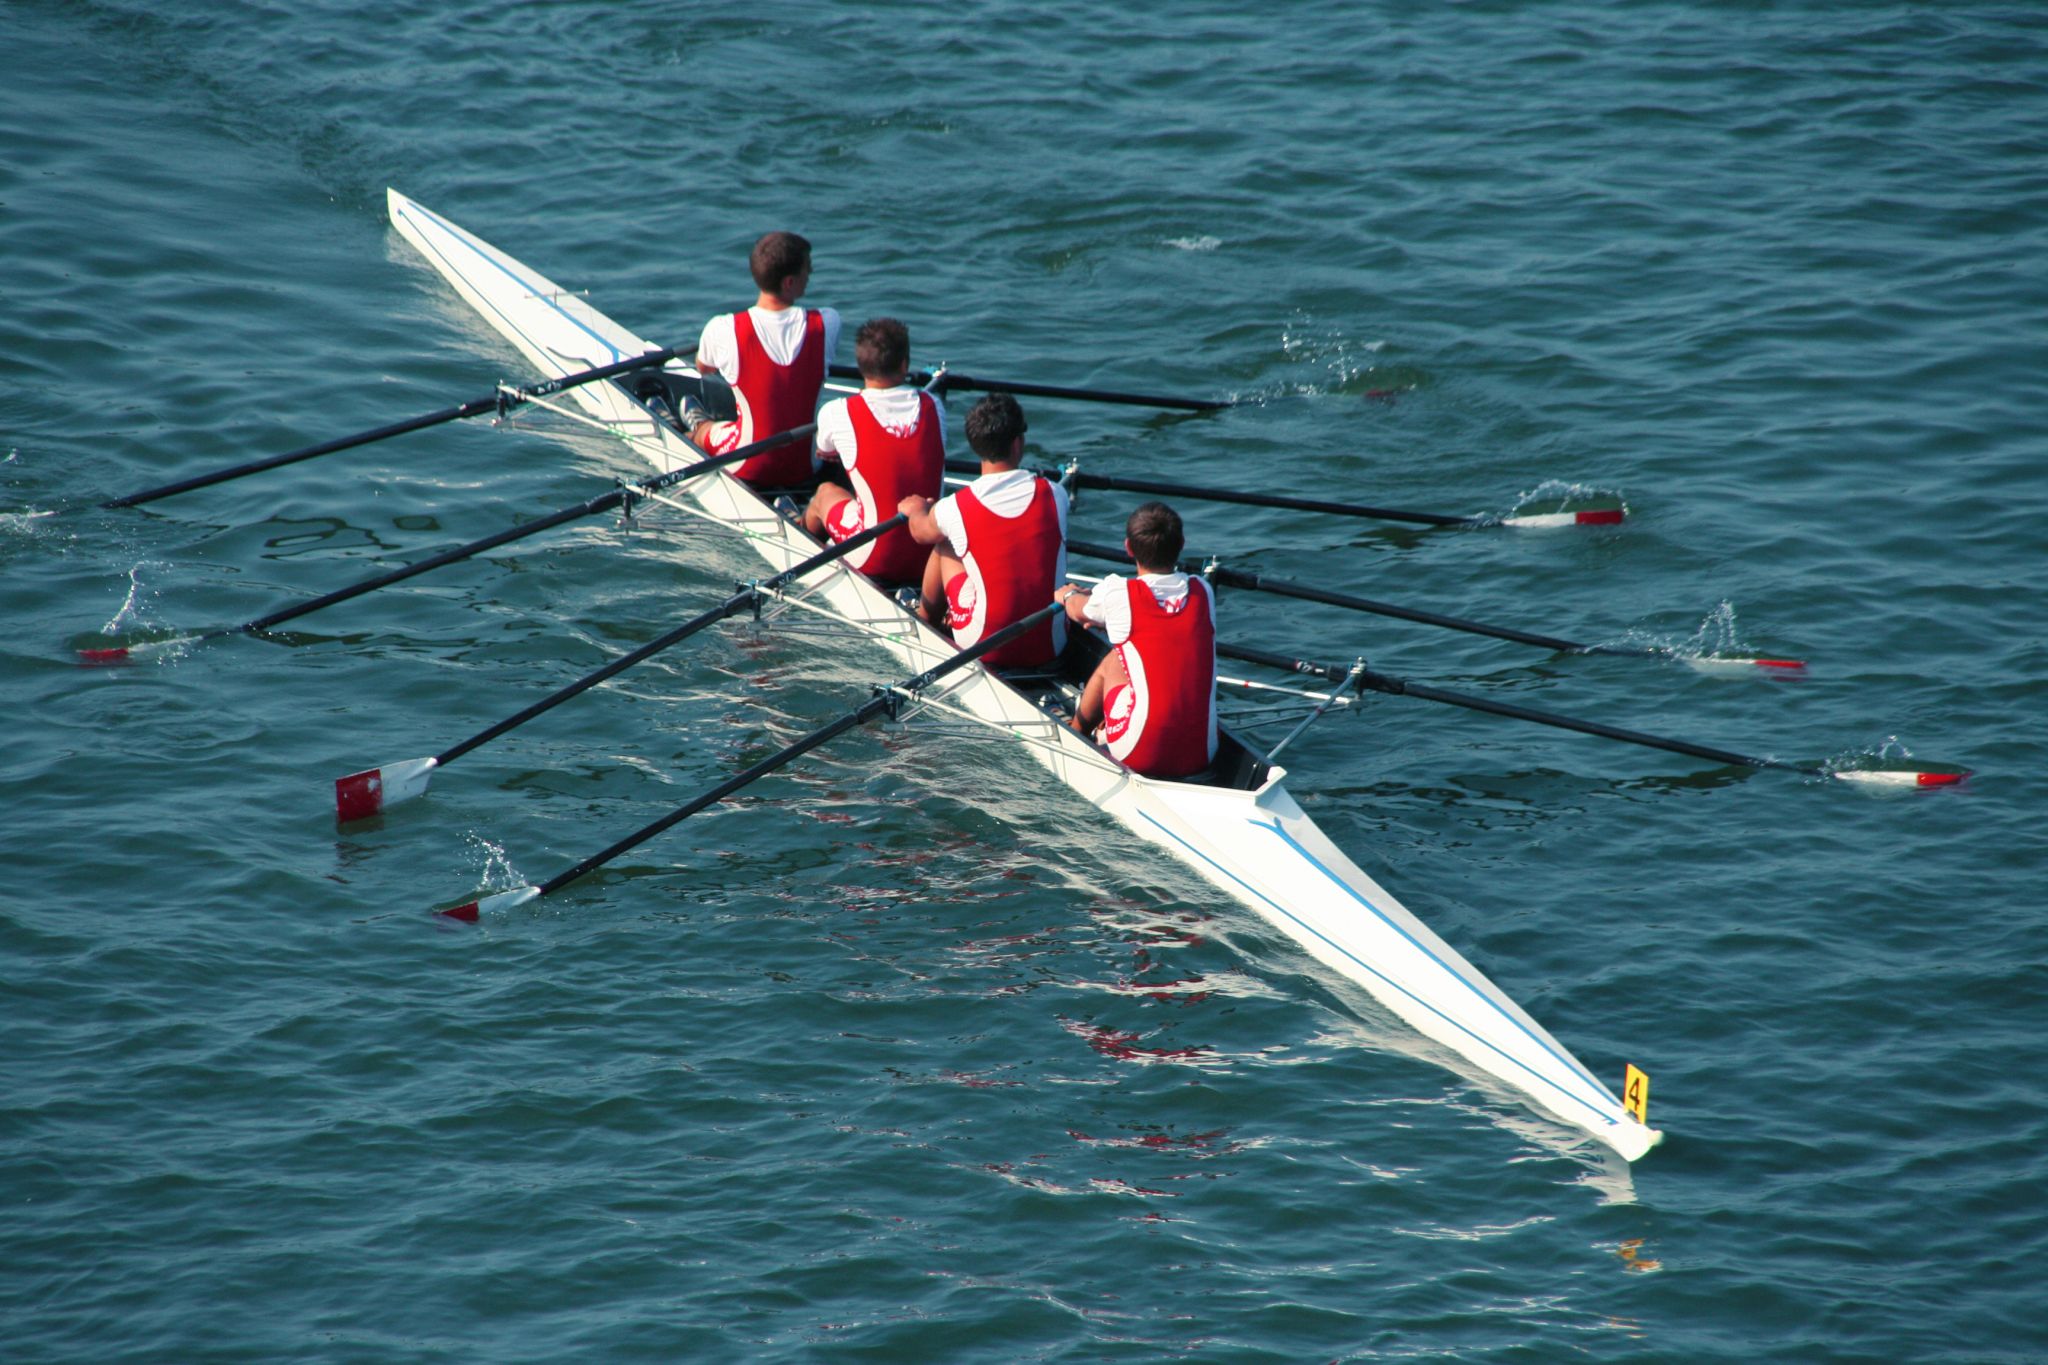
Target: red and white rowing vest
775 398
1011 563
1164 723
888 466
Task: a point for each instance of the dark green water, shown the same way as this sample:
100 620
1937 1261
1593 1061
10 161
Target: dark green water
905 1055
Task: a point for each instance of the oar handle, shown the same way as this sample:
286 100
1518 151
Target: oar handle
472 408
953 379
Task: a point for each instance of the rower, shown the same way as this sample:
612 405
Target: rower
774 355
999 545
1153 697
889 445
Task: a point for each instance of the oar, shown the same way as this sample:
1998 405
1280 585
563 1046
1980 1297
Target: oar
1366 679
955 380
1074 478
1240 578
886 699
601 503
501 401
361 795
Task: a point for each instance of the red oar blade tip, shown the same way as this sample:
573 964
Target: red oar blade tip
362 795
1773 668
103 658
469 912
1903 777
1592 516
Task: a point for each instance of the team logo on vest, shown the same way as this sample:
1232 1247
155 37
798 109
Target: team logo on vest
963 595
1123 703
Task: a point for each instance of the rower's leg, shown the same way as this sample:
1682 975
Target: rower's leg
1108 674
940 570
828 496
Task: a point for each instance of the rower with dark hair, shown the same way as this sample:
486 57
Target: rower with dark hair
999 545
1153 696
889 444
774 355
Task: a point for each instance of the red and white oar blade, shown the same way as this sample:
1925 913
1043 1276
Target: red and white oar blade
100 656
1584 516
362 795
469 912
1903 777
1772 668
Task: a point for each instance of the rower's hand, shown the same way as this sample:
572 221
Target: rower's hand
915 505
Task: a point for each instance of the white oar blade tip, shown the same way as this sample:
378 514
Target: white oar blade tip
469 912
370 792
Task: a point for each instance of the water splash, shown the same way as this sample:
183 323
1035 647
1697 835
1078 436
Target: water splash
1352 366
493 864
134 611
1194 243
1716 634
25 522
1560 495
1891 752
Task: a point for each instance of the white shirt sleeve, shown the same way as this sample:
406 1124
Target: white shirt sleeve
718 349
946 512
1109 606
835 432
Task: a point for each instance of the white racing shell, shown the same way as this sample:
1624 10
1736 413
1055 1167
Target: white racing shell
1257 846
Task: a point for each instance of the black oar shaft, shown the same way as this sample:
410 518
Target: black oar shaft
1400 687
953 379
602 502
1280 587
460 552
885 699
1379 682
859 716
1118 484
731 606
475 407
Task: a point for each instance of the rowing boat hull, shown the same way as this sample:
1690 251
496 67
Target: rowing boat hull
1254 843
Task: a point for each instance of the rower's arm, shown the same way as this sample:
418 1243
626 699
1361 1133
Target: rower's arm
1075 600
919 521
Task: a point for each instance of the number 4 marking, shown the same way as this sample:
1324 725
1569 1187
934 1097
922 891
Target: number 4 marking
1635 1094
